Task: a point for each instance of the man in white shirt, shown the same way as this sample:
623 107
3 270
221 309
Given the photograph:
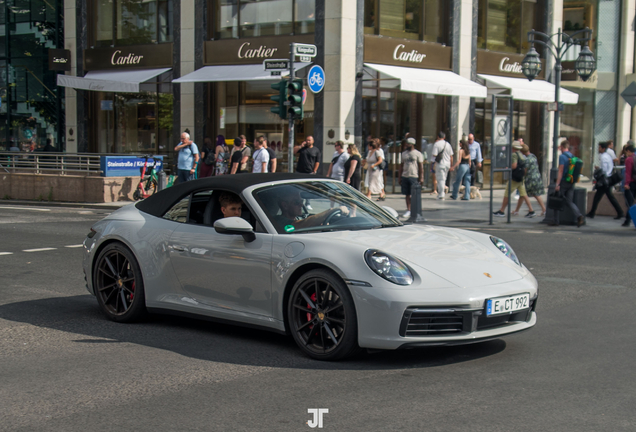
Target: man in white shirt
607 165
336 169
261 158
475 157
610 151
443 162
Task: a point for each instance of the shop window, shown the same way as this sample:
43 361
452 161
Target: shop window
243 108
252 18
576 16
408 19
503 25
131 22
134 122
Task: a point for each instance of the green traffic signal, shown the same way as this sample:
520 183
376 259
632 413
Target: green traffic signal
295 99
280 98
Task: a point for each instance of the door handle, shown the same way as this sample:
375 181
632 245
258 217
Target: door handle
178 248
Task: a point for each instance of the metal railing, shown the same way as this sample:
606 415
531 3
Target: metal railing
50 163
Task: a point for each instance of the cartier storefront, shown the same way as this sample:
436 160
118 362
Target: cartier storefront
407 88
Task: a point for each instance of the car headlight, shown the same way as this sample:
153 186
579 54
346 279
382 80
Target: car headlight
391 269
505 249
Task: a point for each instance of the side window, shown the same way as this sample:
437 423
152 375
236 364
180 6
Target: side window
198 206
179 211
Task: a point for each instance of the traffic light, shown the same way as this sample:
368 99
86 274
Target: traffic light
280 98
295 99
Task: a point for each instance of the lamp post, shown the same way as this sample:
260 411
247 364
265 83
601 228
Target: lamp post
585 66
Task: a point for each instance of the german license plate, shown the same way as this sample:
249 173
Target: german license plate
507 305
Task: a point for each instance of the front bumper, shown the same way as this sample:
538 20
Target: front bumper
393 319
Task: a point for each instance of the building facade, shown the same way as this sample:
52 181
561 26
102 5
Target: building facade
145 71
31 109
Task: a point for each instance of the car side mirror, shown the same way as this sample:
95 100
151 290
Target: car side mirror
235 226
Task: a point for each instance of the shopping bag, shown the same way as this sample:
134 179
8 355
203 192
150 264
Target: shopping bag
632 213
556 201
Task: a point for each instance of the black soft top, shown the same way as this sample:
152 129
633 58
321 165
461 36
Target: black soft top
160 203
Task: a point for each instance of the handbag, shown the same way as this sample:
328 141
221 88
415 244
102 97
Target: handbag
556 201
616 178
480 177
440 155
600 179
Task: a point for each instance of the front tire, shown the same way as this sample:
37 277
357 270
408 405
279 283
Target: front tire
119 287
322 316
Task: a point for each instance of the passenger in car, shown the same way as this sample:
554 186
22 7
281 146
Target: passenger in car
231 205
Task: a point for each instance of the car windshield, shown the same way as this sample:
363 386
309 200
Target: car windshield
319 206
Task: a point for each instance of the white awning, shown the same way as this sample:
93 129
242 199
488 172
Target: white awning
125 81
431 81
252 72
533 91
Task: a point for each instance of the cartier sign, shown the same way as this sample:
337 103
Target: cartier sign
502 64
128 57
59 60
402 52
252 50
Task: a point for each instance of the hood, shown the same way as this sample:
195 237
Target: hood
463 258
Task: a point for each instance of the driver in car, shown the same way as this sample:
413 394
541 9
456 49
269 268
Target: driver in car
291 207
231 205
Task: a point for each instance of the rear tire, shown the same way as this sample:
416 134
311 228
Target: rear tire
118 284
322 316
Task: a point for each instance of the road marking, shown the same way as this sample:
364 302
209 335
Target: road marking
38 250
74 246
25 208
6 253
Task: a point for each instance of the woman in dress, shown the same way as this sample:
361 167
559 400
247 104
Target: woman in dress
222 156
206 170
534 183
353 167
463 171
374 181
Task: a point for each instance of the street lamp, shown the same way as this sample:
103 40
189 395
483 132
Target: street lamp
585 66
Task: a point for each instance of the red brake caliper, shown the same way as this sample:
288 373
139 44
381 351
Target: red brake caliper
311 316
133 291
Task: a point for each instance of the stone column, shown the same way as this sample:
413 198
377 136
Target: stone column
70 43
624 124
187 64
554 22
462 42
340 74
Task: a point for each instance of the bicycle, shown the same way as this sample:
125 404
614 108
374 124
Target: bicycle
151 181
315 79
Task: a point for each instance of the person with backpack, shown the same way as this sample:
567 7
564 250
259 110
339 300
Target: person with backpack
516 182
565 182
188 158
630 180
605 187
206 169
221 156
240 155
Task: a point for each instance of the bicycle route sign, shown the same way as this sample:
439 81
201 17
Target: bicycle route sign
316 79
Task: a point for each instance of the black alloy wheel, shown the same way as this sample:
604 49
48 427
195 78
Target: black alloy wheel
322 316
118 284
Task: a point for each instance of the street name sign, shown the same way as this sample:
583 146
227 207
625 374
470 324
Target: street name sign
276 65
306 50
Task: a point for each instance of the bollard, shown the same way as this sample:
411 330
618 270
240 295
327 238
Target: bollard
416 204
161 180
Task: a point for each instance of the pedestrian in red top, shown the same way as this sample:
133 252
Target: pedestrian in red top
630 179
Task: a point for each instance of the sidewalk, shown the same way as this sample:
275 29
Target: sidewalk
476 213
461 214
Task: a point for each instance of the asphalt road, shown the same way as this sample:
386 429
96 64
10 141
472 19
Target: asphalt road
64 367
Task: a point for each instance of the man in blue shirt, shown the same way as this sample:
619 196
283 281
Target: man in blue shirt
188 158
566 188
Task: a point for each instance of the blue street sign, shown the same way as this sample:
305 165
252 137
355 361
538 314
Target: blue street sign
125 166
316 79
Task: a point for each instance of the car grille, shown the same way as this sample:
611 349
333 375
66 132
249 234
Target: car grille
444 321
433 322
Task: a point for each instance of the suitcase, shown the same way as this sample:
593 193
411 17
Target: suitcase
580 200
632 214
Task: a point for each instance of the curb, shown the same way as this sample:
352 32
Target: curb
104 206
